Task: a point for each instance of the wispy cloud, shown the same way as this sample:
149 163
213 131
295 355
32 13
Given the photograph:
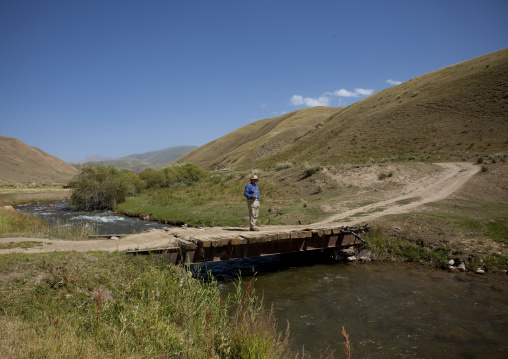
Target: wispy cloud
393 82
324 99
298 100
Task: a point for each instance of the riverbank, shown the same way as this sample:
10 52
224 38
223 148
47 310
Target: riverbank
109 305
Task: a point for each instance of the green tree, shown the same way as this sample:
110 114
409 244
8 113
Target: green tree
100 187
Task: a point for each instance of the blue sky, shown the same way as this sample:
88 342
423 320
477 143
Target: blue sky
117 77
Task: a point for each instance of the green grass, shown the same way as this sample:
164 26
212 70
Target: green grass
408 200
24 244
19 224
101 305
219 201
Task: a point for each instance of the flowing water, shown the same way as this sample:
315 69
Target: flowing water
389 311
106 222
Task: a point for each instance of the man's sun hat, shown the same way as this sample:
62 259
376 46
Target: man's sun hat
254 177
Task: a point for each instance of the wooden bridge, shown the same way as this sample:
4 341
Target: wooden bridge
191 249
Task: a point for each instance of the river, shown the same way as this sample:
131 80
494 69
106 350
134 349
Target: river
106 222
388 310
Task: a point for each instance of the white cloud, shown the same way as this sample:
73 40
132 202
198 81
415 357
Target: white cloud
364 92
393 82
344 93
324 99
356 93
298 100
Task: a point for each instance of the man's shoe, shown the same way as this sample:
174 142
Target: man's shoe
254 229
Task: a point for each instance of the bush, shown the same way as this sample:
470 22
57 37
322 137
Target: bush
182 174
100 187
311 169
283 166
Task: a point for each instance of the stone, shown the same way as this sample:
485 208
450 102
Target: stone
479 271
351 259
451 262
462 267
9 208
347 252
115 238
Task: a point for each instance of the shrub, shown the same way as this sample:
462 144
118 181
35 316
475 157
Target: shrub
100 187
283 166
181 174
382 176
311 169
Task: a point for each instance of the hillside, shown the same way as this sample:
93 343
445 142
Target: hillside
459 112
20 162
259 140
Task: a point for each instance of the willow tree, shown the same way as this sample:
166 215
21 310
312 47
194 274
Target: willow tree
100 187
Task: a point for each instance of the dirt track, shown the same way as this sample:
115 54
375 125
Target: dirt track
429 189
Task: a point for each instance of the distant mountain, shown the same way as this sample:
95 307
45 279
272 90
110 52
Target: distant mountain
138 162
163 156
456 113
20 162
92 158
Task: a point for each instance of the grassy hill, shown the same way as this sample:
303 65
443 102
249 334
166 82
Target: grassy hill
455 113
259 140
22 163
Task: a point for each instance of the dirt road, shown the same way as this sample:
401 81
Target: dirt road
429 189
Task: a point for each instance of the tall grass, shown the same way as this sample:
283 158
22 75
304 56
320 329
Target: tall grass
16 223
113 306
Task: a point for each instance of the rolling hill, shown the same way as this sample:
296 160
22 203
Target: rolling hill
454 113
20 162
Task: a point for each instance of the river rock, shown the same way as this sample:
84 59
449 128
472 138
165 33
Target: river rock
462 267
453 269
451 262
480 271
115 238
364 256
347 252
9 208
351 259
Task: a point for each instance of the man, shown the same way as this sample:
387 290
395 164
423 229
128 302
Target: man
252 194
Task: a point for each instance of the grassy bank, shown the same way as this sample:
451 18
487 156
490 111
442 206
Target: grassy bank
218 201
474 232
91 305
20 224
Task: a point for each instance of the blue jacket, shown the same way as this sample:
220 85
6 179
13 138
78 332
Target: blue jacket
251 190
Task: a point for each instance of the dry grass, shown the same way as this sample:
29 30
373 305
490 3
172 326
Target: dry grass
21 163
13 196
